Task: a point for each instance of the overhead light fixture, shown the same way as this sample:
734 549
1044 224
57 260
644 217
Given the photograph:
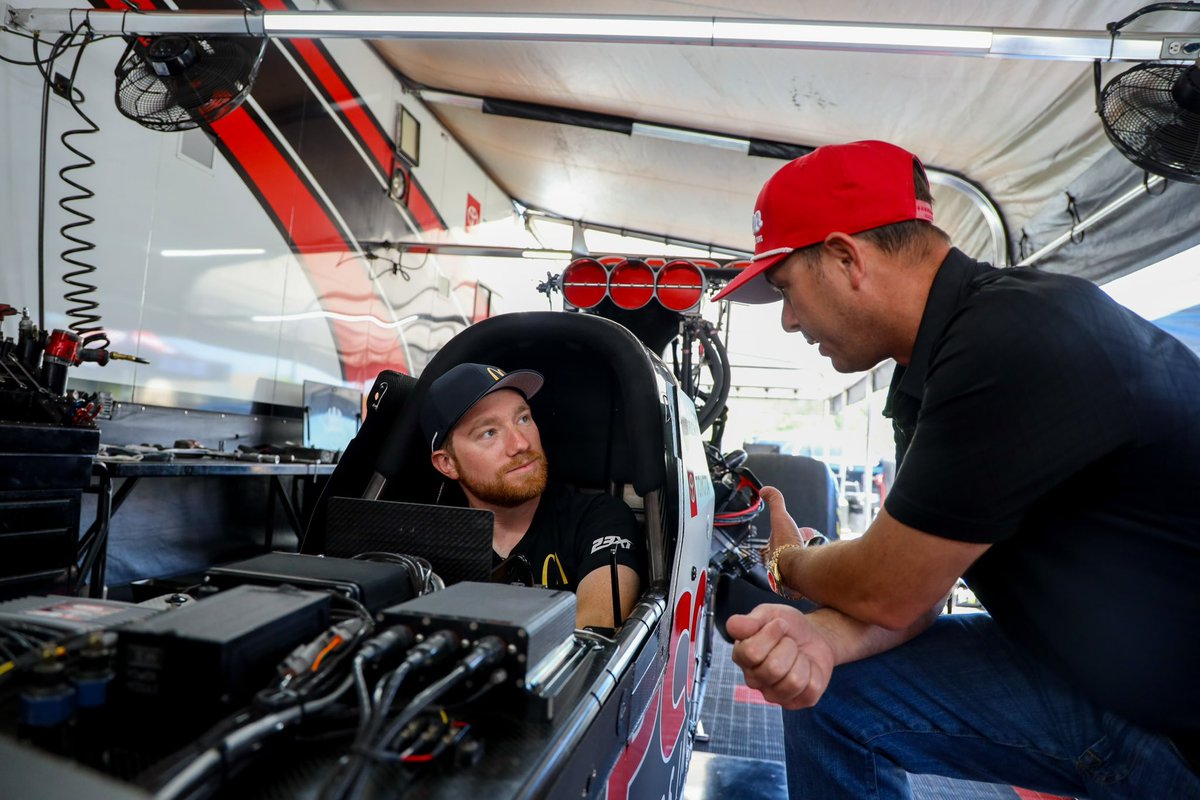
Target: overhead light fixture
1065 45
222 251
475 250
842 35
450 99
691 137
378 323
489 26
550 255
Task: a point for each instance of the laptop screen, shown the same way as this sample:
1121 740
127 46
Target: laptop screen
456 541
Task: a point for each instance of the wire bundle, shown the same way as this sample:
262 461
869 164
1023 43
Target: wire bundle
424 579
374 744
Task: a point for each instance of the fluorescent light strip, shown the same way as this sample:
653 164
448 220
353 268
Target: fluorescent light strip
449 99
335 315
228 251
1062 45
552 255
977 40
691 137
488 26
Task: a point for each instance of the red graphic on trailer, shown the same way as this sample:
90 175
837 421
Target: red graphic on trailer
692 492
474 212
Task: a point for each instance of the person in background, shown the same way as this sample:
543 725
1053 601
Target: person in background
1035 421
482 434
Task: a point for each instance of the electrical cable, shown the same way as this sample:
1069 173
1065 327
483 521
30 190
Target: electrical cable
24 641
48 649
424 579
364 696
86 322
37 37
247 737
497 677
433 731
41 207
345 779
43 634
735 518
243 740
347 772
38 61
45 67
486 652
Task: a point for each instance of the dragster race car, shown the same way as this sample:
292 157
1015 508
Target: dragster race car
509 700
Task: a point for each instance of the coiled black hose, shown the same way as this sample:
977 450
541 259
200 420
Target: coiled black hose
722 374
81 306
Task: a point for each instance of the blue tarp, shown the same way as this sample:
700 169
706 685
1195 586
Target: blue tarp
1183 325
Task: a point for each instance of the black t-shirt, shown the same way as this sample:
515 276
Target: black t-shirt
1039 415
572 533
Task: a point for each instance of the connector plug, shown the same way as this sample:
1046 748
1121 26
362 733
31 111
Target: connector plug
486 652
399 637
435 648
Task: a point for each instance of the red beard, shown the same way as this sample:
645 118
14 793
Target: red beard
504 489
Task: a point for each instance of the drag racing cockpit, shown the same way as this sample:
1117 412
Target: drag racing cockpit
352 669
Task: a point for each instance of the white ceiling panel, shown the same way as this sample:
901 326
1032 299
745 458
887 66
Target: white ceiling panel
1020 129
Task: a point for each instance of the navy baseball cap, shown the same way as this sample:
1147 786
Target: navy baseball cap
452 395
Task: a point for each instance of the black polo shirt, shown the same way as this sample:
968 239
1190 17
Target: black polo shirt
573 533
1040 416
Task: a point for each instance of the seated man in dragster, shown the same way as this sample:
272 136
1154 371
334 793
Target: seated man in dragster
477 421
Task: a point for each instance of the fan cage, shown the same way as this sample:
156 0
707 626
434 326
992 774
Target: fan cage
215 85
1148 126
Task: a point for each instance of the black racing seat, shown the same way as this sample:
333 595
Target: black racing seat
388 395
600 414
808 488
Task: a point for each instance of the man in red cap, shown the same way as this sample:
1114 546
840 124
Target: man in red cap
1034 420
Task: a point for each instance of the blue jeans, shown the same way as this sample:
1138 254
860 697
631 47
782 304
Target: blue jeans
963 701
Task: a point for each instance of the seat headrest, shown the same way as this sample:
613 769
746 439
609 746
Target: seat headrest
599 412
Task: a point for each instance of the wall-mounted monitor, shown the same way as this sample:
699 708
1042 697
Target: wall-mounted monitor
332 415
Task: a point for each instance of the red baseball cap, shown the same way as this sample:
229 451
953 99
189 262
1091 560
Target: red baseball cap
839 187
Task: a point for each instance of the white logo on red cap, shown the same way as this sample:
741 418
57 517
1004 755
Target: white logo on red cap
756 225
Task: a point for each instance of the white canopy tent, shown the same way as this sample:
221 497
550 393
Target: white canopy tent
1024 132
652 135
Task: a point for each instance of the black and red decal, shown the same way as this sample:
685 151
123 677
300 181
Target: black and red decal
301 154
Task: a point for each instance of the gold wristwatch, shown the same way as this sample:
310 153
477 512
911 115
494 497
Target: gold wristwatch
773 576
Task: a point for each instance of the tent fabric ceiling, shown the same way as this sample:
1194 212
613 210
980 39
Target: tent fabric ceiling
1020 129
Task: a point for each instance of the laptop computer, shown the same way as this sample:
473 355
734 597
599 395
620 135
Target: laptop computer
456 541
